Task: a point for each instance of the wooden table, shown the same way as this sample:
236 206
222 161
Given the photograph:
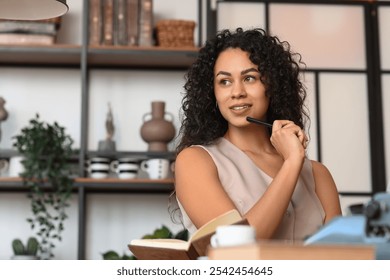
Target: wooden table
271 250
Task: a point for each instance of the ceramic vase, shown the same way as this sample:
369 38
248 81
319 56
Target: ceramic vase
3 112
156 130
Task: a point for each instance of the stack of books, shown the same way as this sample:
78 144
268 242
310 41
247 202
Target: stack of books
121 22
20 32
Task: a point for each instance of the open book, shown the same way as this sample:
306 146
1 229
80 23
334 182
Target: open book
174 249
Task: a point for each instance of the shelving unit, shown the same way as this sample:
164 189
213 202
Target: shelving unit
86 58
60 56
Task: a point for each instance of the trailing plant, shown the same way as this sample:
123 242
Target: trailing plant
47 150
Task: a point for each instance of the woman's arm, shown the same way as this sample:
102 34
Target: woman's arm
198 187
326 191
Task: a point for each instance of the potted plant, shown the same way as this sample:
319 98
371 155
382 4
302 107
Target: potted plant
28 252
47 150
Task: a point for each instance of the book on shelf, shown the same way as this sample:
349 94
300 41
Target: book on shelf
132 22
145 23
26 39
56 20
29 27
95 22
174 249
108 22
120 22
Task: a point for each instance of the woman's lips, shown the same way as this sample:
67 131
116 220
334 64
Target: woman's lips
239 107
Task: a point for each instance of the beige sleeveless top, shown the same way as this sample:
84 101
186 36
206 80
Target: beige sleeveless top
245 183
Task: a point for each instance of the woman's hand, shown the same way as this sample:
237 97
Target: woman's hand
288 139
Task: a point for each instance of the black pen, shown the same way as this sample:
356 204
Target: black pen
256 121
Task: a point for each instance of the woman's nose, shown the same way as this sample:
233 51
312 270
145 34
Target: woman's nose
238 90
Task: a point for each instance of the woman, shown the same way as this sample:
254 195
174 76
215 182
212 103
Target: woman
226 162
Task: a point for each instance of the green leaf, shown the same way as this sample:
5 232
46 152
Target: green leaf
126 257
111 255
182 235
162 232
148 236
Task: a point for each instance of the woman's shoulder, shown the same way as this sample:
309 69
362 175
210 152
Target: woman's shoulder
196 157
192 152
198 150
319 169
317 164
193 162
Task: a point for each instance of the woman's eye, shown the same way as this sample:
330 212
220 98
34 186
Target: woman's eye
249 79
225 82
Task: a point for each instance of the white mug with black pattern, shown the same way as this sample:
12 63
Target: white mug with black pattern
98 167
125 168
156 168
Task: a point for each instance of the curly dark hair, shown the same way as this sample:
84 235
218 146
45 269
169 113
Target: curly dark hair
279 70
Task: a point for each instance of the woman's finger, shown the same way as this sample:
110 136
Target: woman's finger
278 124
286 124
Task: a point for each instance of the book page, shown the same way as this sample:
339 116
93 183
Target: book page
228 218
162 243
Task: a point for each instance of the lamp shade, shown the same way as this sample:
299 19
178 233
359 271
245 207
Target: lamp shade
32 9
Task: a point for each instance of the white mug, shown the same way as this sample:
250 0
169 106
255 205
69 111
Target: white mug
233 235
157 168
98 167
3 167
15 166
125 168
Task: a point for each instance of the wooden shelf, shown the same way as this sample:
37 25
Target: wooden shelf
7 153
141 57
86 181
38 55
98 56
13 184
107 185
113 185
133 154
10 181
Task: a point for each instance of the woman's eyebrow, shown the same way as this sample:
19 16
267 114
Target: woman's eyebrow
243 72
223 73
249 70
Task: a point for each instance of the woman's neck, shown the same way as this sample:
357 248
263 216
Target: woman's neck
253 139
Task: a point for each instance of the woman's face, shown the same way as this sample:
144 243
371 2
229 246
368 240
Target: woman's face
238 89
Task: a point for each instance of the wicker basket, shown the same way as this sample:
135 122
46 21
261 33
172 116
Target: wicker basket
175 33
